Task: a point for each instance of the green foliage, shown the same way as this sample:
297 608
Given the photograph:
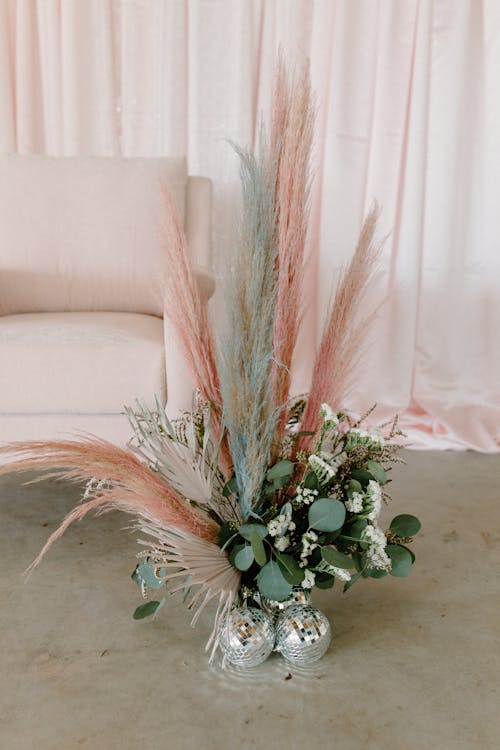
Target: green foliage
362 476
147 609
272 583
242 556
354 578
326 514
258 548
405 525
310 481
352 487
400 559
248 529
290 568
324 580
377 471
333 557
282 469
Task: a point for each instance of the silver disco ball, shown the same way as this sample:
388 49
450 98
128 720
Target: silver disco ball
246 637
303 634
298 595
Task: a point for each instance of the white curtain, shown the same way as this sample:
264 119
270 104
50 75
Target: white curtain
408 113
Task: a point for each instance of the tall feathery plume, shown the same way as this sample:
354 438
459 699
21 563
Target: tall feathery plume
247 345
188 313
336 363
130 487
292 132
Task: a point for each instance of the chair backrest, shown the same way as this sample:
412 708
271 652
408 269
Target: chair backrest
84 233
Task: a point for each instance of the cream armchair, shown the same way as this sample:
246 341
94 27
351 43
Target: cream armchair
81 313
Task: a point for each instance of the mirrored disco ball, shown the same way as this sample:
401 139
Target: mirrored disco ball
246 637
303 634
298 595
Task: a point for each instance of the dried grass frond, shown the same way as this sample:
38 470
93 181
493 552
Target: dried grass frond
131 486
342 344
247 345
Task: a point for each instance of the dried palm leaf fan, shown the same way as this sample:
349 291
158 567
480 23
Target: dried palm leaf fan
251 498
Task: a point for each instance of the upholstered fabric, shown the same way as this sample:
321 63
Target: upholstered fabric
83 234
79 363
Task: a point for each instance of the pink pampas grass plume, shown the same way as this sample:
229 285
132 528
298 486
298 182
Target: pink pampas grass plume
130 485
292 132
188 313
341 348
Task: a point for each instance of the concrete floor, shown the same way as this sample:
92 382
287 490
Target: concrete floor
414 663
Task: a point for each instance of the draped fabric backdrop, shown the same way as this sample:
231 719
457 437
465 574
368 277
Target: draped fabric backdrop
408 113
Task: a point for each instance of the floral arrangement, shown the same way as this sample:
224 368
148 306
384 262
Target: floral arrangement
252 498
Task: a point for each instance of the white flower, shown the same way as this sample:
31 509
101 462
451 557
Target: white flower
282 523
309 580
374 499
326 467
374 536
378 558
282 543
375 554
355 503
340 573
309 540
305 495
330 419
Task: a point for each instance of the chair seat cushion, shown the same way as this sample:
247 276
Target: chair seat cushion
80 362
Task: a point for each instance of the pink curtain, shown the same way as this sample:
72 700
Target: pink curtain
408 114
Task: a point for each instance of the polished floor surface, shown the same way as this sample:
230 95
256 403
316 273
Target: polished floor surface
414 665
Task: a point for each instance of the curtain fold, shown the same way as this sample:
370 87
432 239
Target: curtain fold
408 114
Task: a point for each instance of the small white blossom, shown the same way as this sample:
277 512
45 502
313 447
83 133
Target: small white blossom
309 580
305 495
355 503
309 540
340 573
378 558
375 554
374 536
282 543
330 419
326 467
374 499
281 524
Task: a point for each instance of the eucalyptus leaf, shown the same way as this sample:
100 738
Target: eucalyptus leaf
405 525
354 578
362 476
272 583
326 514
248 529
280 470
400 559
290 568
258 548
242 556
147 609
333 557
376 573
324 580
352 487
310 481
378 471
